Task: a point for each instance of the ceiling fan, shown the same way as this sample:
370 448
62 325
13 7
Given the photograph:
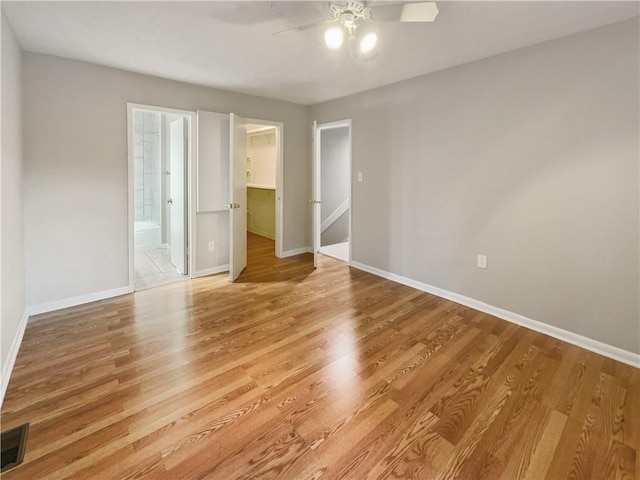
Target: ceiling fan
351 18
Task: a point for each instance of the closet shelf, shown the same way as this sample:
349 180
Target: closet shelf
261 130
263 187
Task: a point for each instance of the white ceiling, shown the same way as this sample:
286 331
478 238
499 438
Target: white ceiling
230 45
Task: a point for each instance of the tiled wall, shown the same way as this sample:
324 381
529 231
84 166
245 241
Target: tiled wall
147 166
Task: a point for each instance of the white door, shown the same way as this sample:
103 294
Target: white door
315 193
177 203
238 193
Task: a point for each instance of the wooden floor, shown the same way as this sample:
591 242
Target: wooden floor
300 374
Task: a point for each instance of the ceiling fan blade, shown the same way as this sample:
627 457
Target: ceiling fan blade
407 12
304 27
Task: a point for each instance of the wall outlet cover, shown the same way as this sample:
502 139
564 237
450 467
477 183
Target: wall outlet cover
482 261
212 246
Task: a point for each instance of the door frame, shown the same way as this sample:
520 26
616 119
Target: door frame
190 167
182 175
279 180
237 195
317 167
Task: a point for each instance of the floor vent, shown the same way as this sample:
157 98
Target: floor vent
12 443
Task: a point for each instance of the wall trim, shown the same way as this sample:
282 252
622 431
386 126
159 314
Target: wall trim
590 344
7 367
211 271
296 251
74 301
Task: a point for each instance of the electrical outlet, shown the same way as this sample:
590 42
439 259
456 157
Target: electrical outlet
212 246
482 261
359 176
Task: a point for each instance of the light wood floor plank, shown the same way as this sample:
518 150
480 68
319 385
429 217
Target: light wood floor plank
296 373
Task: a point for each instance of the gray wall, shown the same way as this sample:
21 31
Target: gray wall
335 184
337 232
12 287
76 168
530 157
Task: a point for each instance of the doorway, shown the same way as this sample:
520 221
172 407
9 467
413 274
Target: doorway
332 190
261 183
159 157
220 192
264 181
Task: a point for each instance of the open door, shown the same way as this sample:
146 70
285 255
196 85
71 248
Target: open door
315 192
238 193
178 185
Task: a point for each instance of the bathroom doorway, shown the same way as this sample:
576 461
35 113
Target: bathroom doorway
159 152
264 180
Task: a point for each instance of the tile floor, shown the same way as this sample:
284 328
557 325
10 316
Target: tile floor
153 266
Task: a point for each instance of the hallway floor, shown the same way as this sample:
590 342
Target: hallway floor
338 251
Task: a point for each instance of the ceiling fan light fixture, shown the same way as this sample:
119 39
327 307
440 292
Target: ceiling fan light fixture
350 19
361 49
368 42
334 37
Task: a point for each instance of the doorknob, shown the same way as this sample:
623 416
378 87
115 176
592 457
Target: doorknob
170 201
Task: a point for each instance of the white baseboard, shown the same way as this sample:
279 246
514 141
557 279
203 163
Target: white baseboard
74 301
596 346
295 251
7 366
210 271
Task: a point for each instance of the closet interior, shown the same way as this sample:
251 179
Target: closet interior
261 180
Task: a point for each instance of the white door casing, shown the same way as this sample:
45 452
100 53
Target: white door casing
238 196
315 195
